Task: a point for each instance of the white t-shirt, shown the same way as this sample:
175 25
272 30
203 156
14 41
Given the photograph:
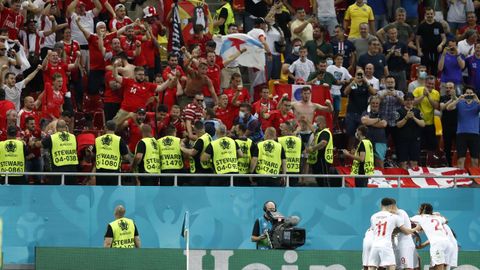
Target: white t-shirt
256 33
340 74
302 69
13 94
405 240
383 223
87 23
326 8
374 82
432 226
49 41
466 49
273 35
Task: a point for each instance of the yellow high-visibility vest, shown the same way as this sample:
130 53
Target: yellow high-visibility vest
170 153
225 156
269 157
292 146
206 138
313 156
123 233
369 159
108 155
151 158
244 162
12 157
64 149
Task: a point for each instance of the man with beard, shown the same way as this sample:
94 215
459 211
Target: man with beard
134 123
136 92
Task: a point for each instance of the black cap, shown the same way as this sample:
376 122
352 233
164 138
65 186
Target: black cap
141 111
260 20
408 96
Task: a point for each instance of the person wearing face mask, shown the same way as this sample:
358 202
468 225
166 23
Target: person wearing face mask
363 158
293 54
468 106
254 126
420 78
376 123
409 124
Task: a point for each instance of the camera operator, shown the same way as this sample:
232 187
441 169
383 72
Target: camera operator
263 225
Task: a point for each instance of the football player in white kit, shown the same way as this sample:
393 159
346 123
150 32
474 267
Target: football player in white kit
383 223
367 246
405 252
453 256
433 226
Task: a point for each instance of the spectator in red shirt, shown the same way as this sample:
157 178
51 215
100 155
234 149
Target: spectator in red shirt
281 115
136 92
5 106
223 112
11 121
34 161
158 120
200 38
175 119
27 111
148 50
237 94
213 72
265 104
71 48
471 24
51 99
192 113
121 19
112 97
132 46
134 122
11 18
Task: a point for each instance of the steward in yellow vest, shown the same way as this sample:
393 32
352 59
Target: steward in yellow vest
320 156
195 152
122 232
171 157
63 153
363 159
247 146
269 159
292 145
224 153
223 18
109 150
147 157
12 157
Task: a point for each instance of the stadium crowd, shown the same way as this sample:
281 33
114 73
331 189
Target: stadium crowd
84 88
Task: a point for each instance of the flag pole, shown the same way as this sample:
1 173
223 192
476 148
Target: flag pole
187 232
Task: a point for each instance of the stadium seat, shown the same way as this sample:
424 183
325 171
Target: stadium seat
93 103
343 107
98 120
438 125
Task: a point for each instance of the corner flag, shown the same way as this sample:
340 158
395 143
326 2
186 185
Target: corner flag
185 224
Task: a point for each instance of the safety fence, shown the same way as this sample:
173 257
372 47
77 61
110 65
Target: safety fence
340 180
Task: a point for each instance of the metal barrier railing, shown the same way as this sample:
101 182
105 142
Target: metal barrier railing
286 177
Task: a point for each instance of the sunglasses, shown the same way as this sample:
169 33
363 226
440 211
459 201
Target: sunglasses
199 100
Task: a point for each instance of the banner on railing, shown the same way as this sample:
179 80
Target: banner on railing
428 180
173 259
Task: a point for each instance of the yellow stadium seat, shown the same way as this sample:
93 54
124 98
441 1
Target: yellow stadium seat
343 107
438 125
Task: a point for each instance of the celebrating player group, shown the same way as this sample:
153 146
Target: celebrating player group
389 242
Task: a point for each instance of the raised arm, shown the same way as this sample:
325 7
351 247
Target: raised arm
31 75
71 8
98 7
84 31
